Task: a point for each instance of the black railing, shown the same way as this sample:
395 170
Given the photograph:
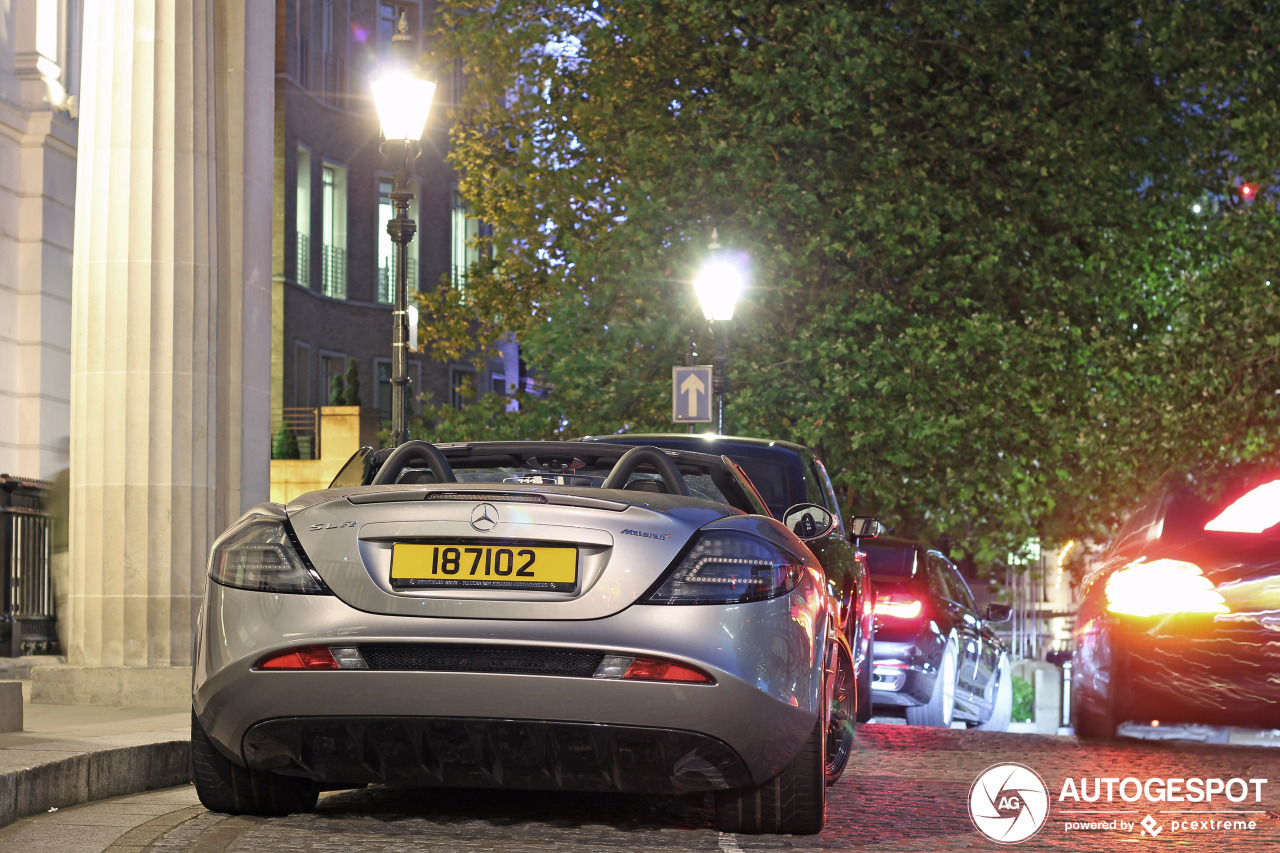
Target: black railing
387 279
304 260
333 272
304 423
27 621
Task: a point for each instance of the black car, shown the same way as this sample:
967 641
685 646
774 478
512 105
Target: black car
1179 622
787 474
936 656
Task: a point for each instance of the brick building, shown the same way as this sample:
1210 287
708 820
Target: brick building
332 258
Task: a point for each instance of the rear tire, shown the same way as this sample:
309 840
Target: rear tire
795 801
864 692
1002 711
226 787
940 708
1089 725
839 691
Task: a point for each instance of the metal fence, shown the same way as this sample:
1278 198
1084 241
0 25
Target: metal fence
304 423
27 621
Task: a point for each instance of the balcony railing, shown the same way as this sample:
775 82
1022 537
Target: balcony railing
387 279
333 275
304 260
458 276
304 423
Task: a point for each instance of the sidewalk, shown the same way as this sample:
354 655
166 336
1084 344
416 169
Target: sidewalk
71 754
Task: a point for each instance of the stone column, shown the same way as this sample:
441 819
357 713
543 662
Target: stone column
171 319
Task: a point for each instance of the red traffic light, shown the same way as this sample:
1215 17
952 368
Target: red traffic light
1248 191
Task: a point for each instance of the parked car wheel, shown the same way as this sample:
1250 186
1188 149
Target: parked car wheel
228 788
840 700
795 801
1091 725
864 692
1002 712
941 706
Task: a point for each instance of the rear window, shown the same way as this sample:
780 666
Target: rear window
896 563
772 479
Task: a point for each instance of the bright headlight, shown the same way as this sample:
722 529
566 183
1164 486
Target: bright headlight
1162 587
727 567
258 555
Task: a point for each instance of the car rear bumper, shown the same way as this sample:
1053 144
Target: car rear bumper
350 726
901 675
1188 671
478 753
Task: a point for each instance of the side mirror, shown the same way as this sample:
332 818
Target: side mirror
809 521
866 527
999 612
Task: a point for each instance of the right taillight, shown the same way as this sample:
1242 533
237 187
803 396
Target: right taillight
899 606
730 567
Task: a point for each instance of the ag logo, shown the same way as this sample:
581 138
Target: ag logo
1009 803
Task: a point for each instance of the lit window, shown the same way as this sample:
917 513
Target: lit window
387 247
461 386
302 245
333 232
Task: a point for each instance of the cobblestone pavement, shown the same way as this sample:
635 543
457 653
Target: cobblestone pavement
907 789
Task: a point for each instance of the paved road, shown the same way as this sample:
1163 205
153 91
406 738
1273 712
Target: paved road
907 790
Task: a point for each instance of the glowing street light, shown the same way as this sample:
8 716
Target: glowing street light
718 286
403 100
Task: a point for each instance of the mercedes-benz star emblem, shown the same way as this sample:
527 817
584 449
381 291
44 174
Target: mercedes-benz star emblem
484 517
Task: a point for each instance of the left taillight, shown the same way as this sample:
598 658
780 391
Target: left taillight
315 658
899 606
633 668
259 554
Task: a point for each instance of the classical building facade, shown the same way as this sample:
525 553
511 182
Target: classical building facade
39 84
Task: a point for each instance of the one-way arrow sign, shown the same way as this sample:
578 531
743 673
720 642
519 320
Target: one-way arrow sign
691 394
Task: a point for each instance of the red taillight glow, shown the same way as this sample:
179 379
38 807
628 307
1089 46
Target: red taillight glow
899 607
1253 513
651 669
320 658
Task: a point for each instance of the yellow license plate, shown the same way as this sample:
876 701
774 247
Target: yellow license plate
447 564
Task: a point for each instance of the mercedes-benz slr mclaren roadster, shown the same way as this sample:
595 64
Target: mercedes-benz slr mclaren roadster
539 615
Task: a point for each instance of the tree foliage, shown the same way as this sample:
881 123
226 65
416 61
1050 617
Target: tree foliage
978 287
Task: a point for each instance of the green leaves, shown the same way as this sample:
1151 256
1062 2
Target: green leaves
976 285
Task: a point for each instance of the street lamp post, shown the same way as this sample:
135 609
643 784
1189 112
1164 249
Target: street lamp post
718 286
403 100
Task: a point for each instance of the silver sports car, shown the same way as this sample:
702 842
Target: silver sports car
540 615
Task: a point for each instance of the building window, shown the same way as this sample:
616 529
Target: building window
498 383
303 243
304 53
72 25
388 19
301 374
462 386
463 252
382 388
335 65
332 364
387 248
333 232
